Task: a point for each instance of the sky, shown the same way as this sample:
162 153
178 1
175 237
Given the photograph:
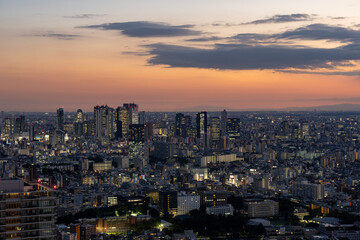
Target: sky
170 55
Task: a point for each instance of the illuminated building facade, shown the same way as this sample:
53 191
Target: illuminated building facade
26 211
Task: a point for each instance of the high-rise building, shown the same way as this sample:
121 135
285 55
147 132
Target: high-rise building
79 123
31 133
90 127
104 122
123 120
26 211
180 125
148 131
20 124
201 127
9 126
215 129
133 110
137 146
137 133
223 122
303 129
233 128
142 117
60 119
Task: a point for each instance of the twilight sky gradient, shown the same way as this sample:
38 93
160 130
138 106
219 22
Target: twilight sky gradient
168 55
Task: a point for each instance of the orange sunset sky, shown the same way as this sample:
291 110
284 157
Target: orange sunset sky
170 55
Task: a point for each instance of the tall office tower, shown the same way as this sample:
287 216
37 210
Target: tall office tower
123 118
137 133
31 133
133 112
26 211
9 126
142 117
168 203
60 119
20 124
79 123
233 128
148 131
79 117
201 127
223 122
188 127
104 122
180 130
90 127
138 148
215 129
182 125
303 129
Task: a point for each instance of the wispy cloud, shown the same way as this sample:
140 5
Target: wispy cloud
60 36
148 29
296 17
336 73
204 39
88 15
338 18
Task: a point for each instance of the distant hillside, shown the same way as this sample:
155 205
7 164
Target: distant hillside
346 107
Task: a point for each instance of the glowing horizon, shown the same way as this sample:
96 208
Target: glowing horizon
167 55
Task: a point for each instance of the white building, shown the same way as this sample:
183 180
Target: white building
187 203
221 210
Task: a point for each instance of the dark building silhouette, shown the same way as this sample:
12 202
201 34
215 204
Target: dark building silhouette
60 119
168 203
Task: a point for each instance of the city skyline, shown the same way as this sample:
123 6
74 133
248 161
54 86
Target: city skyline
168 56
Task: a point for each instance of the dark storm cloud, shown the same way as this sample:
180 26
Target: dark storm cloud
322 32
89 15
59 36
297 17
246 57
148 29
